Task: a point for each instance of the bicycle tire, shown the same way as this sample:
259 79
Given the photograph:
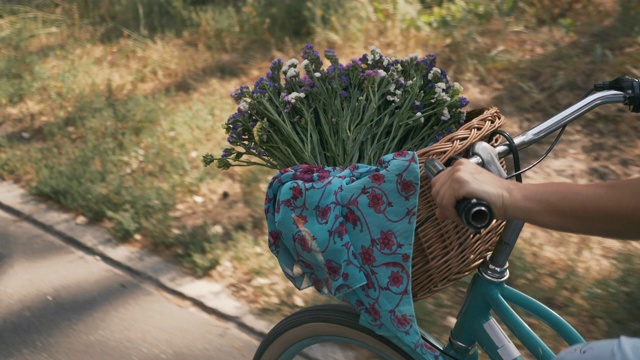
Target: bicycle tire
323 324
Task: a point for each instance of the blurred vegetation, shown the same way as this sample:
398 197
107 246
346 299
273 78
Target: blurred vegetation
106 106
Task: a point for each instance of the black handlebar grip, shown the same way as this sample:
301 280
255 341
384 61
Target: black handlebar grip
475 213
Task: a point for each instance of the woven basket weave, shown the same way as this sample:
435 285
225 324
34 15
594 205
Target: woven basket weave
445 251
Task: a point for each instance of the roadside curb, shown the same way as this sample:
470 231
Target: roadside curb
208 295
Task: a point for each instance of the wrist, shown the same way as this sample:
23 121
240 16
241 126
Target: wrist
512 196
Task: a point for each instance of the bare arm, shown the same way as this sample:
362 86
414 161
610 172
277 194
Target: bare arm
609 209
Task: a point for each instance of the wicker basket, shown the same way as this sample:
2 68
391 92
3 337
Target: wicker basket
445 251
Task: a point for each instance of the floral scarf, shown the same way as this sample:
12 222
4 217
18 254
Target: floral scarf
349 233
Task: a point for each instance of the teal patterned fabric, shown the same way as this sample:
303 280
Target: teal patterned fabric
349 233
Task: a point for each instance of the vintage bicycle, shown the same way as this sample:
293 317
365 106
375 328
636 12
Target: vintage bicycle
300 334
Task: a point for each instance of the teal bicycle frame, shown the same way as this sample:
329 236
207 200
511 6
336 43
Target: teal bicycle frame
475 323
487 293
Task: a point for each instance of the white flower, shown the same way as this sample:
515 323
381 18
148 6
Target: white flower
445 115
306 64
292 72
375 52
440 94
292 63
435 72
413 56
243 106
317 74
294 96
458 87
381 73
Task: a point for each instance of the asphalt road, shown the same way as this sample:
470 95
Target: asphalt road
59 303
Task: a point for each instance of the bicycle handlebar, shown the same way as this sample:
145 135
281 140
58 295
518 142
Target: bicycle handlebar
475 213
551 125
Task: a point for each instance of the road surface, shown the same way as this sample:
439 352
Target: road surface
57 302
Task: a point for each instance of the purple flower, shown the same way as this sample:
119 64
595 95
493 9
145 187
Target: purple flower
226 153
345 80
276 66
310 54
263 85
239 94
232 118
307 81
332 57
344 93
463 101
354 62
444 75
429 61
335 68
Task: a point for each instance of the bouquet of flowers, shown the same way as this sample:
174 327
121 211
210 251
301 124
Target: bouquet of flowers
302 113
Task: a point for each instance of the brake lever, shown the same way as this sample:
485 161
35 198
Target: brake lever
628 86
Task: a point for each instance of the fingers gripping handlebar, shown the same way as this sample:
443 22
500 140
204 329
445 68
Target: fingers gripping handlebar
475 213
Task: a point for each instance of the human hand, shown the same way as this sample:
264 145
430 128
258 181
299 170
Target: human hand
467 180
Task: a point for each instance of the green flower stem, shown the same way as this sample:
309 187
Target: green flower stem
288 134
351 114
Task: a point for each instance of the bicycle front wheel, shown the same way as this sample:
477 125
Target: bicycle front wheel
326 332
